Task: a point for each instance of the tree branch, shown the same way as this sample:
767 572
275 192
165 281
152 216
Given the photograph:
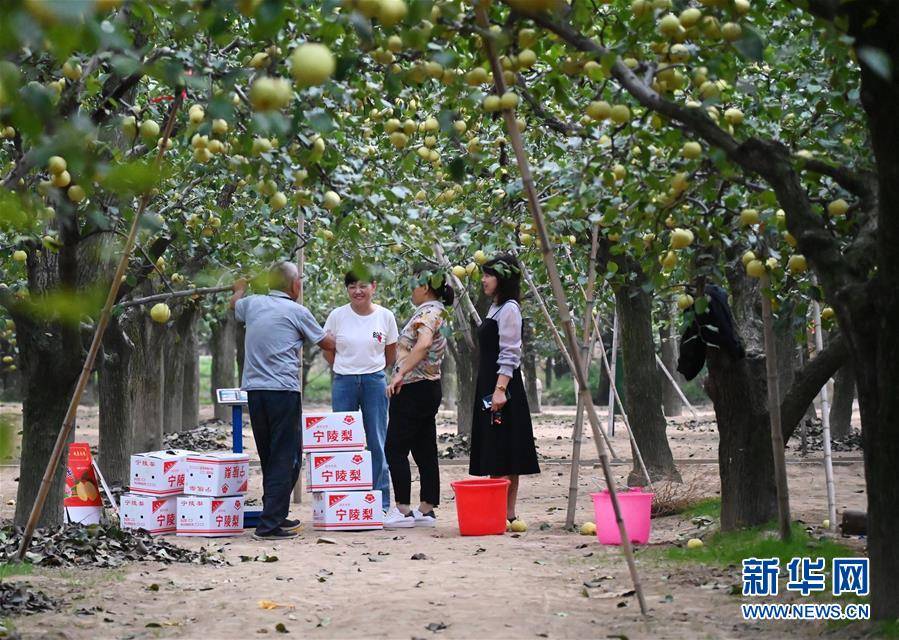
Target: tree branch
863 184
808 382
162 297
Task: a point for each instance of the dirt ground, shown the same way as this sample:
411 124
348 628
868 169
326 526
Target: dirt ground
366 584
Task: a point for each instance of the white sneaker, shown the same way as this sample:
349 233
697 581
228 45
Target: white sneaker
395 519
424 519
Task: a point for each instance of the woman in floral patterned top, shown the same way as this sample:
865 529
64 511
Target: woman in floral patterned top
415 398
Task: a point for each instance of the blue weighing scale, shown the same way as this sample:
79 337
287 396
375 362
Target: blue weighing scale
238 399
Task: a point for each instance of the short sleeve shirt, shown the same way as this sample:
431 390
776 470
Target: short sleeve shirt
276 328
428 315
361 340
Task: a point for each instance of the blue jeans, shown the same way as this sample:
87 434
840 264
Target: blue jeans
367 392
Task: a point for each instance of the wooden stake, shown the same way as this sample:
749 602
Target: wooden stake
777 439
301 268
68 423
559 294
589 334
464 299
676 387
611 373
825 423
560 343
613 390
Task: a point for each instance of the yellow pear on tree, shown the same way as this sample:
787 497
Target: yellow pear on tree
56 165
599 110
312 64
684 301
749 217
691 150
755 268
330 200
838 207
797 264
160 313
681 238
149 129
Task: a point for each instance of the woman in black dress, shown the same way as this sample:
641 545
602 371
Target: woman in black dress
502 437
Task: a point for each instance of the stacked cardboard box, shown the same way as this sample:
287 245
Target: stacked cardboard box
188 493
214 486
156 481
339 473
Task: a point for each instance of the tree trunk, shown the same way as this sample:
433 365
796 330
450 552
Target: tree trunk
116 405
50 356
745 460
549 372
466 378
841 407
878 400
448 382
50 359
173 375
190 396
49 379
739 393
240 342
148 371
671 401
309 354
529 366
643 394
222 346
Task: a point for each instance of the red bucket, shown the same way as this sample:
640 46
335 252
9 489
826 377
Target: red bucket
481 506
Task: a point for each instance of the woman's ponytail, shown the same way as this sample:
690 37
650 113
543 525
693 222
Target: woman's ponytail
446 294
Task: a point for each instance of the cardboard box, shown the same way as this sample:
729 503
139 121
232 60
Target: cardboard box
216 474
158 473
82 502
339 471
347 510
209 517
150 513
338 431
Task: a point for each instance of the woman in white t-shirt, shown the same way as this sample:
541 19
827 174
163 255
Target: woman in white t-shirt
366 336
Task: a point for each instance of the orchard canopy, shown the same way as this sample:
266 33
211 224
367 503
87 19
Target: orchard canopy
704 142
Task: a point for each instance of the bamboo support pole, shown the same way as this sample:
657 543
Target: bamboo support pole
297 496
777 439
589 343
676 387
68 423
613 391
825 425
464 300
597 434
559 294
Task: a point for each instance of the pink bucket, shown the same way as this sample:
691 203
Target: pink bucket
636 507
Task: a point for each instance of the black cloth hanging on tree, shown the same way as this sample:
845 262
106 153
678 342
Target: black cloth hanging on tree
713 327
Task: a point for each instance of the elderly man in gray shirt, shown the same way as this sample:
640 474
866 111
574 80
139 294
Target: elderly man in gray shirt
276 327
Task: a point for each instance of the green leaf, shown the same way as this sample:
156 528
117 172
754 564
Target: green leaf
321 121
750 46
701 305
878 60
131 178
